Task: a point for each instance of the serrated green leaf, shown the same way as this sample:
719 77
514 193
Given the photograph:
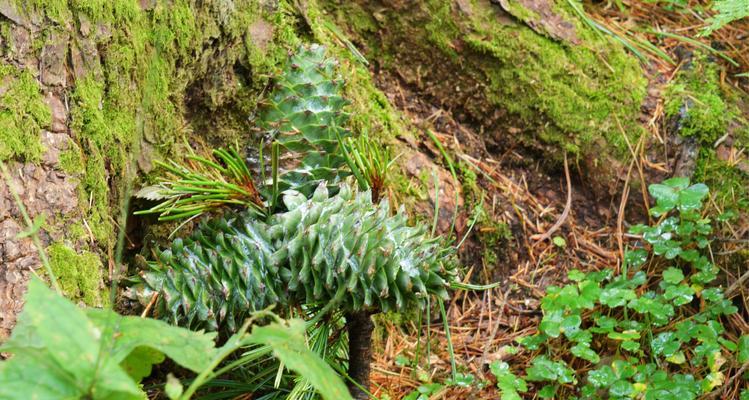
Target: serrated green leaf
673 275
60 347
615 297
551 324
665 344
570 324
678 183
559 241
544 369
679 294
510 386
621 388
576 275
602 377
532 342
635 258
663 193
62 329
585 352
691 197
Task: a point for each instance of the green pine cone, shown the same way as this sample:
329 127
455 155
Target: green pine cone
341 249
305 113
218 275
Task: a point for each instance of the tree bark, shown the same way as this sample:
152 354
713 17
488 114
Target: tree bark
360 328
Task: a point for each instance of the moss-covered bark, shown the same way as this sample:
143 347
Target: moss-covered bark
528 72
89 86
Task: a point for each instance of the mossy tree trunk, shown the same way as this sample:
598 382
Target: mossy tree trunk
526 73
92 93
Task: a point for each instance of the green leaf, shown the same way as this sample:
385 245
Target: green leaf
589 294
576 275
59 347
673 275
551 324
34 374
665 344
635 258
602 377
626 335
62 329
559 241
616 297
630 345
510 386
661 312
548 392
679 294
743 349
173 387
532 342
288 343
663 193
570 324
621 388
679 183
138 364
691 197
585 352
192 350
544 369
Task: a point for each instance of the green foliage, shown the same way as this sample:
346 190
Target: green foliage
727 11
289 346
369 161
60 351
645 321
338 250
510 386
305 114
63 352
203 185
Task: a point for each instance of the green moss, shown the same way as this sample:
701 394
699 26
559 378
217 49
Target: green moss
80 275
580 90
728 184
564 95
695 101
441 29
23 114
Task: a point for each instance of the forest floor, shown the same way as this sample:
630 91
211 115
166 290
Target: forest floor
525 247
